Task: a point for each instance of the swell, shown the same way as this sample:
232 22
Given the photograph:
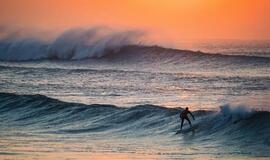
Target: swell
150 55
159 54
38 112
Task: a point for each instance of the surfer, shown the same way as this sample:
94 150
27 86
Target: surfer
184 115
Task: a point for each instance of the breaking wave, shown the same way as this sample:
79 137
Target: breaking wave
101 42
71 45
53 116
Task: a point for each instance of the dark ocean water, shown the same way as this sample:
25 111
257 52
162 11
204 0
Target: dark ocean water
71 100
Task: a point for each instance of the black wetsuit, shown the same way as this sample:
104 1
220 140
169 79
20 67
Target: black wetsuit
184 115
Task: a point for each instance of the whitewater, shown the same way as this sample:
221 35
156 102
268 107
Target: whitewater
97 94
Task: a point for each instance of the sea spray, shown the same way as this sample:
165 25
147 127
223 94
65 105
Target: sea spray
72 44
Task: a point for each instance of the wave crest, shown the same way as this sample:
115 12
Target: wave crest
73 44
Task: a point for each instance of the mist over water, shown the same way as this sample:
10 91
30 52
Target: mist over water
96 91
72 44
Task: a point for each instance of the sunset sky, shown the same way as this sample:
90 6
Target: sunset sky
164 19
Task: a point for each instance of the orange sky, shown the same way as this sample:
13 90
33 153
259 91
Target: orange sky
165 19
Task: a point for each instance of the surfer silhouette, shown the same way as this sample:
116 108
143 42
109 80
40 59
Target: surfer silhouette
184 115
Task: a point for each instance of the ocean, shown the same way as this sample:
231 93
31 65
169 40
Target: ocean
122 101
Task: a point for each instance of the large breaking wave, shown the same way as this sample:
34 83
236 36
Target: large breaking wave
73 44
38 112
98 42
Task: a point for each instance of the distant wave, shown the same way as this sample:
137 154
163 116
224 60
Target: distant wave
71 45
127 54
137 53
98 43
53 116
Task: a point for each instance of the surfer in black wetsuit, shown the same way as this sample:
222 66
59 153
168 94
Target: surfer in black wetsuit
184 115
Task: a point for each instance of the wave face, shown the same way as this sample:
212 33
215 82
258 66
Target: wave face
238 125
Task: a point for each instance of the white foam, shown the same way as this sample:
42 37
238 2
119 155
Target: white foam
72 44
237 111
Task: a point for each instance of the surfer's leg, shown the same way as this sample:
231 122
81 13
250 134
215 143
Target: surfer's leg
182 121
189 122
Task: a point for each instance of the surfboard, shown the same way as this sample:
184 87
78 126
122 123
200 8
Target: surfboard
189 129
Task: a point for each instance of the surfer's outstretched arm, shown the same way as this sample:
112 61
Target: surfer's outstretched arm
191 115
